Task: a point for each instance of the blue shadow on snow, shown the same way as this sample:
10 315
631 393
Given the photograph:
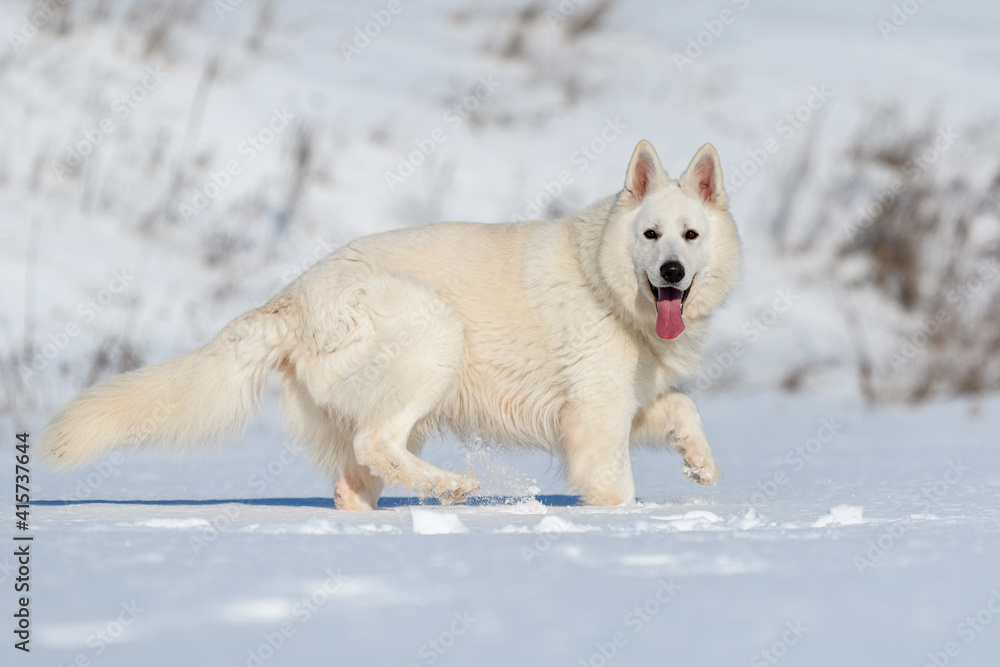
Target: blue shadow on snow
555 500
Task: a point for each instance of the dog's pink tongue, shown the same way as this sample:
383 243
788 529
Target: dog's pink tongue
669 323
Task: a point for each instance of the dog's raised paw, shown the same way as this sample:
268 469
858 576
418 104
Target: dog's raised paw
703 474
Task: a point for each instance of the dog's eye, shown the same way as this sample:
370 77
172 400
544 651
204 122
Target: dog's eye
651 234
691 235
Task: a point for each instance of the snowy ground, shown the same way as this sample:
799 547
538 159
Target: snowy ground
877 538
839 534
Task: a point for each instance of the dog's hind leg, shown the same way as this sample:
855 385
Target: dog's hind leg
383 449
330 447
357 490
398 379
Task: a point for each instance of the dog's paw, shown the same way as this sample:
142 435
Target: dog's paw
346 496
454 488
706 473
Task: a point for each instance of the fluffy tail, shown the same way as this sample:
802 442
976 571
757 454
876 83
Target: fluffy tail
208 394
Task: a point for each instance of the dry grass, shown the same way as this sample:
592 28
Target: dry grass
31 383
549 38
302 156
926 230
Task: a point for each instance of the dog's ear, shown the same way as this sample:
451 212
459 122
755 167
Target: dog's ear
703 178
644 173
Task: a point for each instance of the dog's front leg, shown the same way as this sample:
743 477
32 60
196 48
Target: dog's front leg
597 454
676 415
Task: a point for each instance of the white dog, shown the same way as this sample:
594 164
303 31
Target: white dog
568 335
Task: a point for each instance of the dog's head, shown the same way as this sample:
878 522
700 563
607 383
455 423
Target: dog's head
680 238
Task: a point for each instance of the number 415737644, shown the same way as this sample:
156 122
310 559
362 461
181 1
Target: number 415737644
22 495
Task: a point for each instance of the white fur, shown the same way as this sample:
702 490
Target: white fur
539 333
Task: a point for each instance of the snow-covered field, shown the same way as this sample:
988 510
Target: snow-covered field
252 138
876 537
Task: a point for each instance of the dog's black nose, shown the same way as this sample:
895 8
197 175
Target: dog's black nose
672 272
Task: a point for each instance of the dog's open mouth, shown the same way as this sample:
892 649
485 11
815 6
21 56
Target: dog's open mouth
669 310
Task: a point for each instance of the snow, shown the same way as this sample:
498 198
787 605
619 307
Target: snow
177 524
894 533
841 515
426 522
839 534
